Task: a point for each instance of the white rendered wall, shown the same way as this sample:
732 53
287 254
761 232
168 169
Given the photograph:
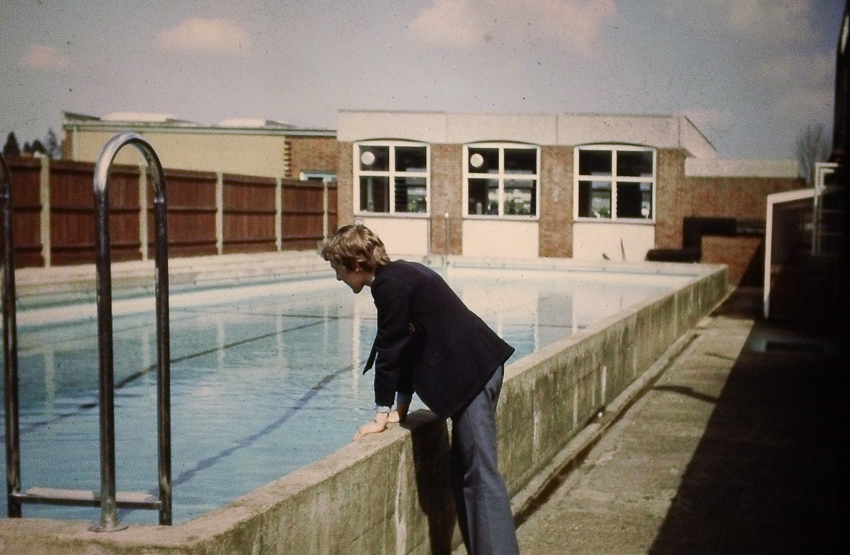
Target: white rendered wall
695 167
654 131
524 128
541 129
595 241
501 239
427 127
403 237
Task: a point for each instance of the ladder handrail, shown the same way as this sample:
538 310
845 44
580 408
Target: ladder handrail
108 501
108 506
10 346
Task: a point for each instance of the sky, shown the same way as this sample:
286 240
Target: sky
750 74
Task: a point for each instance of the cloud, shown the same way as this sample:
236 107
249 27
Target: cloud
768 23
196 34
799 87
782 72
769 20
575 21
41 57
803 105
467 23
448 23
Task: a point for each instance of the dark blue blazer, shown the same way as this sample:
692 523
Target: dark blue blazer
428 341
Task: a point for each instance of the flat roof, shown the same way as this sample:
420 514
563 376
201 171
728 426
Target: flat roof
166 123
660 131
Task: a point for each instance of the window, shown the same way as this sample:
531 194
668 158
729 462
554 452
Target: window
317 175
616 182
391 177
501 180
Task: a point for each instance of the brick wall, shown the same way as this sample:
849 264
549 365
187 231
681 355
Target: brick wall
727 197
312 153
743 255
679 196
741 197
556 201
672 198
446 196
345 184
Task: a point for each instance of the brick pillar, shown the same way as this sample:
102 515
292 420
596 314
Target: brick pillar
345 185
556 201
672 198
446 198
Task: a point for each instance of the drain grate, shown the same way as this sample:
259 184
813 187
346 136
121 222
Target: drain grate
794 346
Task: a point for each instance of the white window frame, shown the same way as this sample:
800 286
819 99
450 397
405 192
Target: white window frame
391 174
501 176
614 179
325 176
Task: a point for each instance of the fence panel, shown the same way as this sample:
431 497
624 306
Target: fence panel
247 220
333 219
26 208
249 213
191 214
72 235
302 214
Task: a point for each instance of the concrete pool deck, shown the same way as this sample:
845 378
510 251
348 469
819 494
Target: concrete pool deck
38 287
65 285
737 447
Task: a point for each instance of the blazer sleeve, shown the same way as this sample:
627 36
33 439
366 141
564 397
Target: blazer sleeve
392 300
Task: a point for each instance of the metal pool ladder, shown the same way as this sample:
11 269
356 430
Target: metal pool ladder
108 499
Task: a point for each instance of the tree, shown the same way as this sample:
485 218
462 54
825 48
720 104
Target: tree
37 147
812 146
52 145
11 148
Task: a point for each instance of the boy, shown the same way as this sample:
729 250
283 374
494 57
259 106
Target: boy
430 343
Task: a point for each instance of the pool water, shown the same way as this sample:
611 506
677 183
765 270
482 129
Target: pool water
261 385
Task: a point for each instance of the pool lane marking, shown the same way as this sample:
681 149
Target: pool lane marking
302 402
89 405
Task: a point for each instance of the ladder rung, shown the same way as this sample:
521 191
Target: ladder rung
86 498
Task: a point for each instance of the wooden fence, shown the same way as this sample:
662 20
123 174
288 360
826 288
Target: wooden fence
208 213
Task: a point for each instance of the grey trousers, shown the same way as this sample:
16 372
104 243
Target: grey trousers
481 498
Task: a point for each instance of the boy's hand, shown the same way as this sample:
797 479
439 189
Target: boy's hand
376 426
399 414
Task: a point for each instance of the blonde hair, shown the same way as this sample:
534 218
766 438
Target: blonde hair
355 246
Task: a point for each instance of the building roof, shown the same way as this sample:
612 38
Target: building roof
255 123
660 131
166 123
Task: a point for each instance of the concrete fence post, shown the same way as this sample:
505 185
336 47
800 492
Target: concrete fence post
143 211
44 194
219 212
325 225
278 213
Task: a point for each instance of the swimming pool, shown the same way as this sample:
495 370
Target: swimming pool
264 380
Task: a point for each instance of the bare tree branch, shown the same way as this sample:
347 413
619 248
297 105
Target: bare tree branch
812 146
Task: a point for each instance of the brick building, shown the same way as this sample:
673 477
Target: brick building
582 186
589 187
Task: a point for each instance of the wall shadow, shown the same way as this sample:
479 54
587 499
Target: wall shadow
767 474
430 441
